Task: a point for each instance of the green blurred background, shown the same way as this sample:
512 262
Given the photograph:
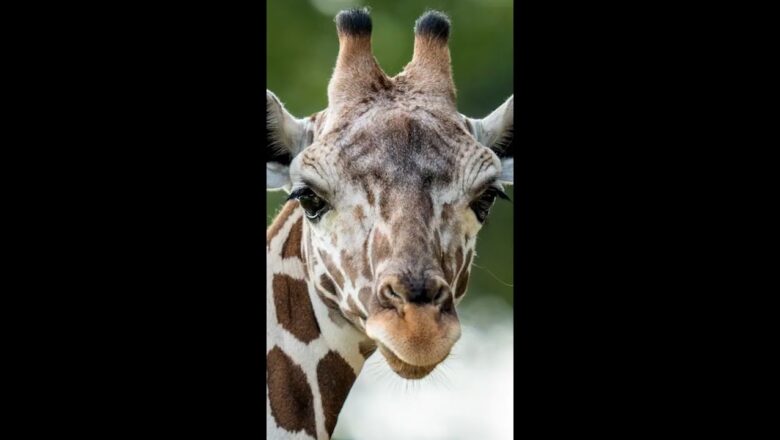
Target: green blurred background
302 49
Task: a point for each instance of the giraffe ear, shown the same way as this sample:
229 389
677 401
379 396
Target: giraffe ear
286 137
496 131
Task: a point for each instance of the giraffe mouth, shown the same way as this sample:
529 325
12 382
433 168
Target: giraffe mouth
415 342
404 369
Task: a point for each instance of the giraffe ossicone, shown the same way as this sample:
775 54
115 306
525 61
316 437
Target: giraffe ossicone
389 186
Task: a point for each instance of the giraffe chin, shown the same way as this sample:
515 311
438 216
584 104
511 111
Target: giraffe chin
415 341
403 369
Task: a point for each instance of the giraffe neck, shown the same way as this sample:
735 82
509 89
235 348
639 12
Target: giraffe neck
313 353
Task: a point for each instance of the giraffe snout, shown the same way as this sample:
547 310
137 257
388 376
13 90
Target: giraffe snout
421 290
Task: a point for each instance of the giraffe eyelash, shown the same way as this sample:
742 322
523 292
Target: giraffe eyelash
298 193
501 194
482 204
313 205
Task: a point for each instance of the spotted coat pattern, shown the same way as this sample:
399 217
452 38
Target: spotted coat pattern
383 268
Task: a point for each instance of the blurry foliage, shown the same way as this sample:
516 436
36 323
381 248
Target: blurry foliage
301 53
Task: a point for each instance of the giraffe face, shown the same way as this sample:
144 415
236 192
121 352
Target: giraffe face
394 203
396 184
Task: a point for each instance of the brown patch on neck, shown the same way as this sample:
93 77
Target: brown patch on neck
335 378
367 348
292 247
280 220
291 398
294 309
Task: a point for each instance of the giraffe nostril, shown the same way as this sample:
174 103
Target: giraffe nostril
426 289
388 293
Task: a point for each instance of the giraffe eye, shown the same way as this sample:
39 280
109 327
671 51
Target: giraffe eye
313 205
481 206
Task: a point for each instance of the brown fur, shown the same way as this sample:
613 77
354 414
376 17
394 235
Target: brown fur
366 271
446 213
351 264
354 307
359 214
364 295
367 348
447 268
280 220
335 377
292 246
381 248
463 282
292 402
356 71
459 259
328 286
430 69
293 308
333 271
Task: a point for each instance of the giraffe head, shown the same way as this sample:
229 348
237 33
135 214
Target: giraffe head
395 184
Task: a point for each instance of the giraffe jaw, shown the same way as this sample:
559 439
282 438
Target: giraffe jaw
403 369
415 341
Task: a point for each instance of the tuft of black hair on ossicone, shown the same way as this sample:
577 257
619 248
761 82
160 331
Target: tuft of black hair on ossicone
355 22
433 24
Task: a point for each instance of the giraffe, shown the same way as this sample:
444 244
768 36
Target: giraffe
388 187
